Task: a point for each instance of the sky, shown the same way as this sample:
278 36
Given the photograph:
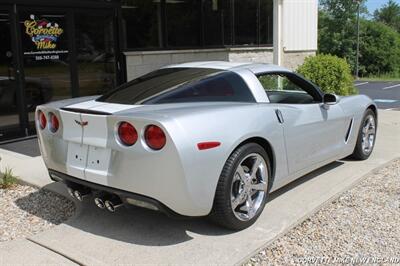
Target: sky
372 5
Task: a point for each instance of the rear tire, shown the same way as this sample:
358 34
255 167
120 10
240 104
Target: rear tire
243 188
366 137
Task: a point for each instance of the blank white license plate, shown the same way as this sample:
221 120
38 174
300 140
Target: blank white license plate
76 159
98 163
88 162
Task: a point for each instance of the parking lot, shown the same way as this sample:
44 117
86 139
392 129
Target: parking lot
385 94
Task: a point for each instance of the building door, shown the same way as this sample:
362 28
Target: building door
49 54
9 96
95 46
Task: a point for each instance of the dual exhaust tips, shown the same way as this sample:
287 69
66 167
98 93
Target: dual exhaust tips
103 201
79 193
109 202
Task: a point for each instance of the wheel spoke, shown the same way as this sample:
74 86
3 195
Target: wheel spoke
371 140
371 121
262 186
254 168
240 173
248 207
368 125
238 200
251 212
365 143
371 131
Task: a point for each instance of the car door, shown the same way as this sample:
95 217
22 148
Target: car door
311 128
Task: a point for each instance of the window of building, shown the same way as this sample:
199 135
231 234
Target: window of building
245 22
141 23
46 56
94 37
265 22
174 24
183 23
215 17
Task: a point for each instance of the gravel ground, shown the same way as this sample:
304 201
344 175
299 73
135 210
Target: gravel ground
25 211
361 226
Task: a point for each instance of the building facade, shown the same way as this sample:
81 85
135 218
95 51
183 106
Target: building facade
53 50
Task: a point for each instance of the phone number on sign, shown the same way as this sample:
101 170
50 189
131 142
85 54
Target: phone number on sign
47 57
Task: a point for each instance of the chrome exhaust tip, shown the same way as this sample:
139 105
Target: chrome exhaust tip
113 203
71 192
99 203
101 199
81 194
78 192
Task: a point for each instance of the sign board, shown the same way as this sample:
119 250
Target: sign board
44 35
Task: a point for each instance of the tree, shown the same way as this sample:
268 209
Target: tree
379 42
379 49
342 10
389 14
337 28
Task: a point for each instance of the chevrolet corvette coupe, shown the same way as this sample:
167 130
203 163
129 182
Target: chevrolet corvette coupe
201 139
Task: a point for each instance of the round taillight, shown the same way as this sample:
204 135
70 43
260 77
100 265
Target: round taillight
54 124
127 134
155 137
42 120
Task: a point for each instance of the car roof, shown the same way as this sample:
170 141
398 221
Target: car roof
256 68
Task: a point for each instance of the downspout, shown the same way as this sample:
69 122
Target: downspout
278 42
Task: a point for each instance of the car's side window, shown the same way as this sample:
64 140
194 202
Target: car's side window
281 88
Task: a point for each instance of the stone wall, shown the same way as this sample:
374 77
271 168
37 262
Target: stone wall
259 55
292 60
140 63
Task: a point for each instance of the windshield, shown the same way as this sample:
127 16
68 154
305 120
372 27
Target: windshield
176 85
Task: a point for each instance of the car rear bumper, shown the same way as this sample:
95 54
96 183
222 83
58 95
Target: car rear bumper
126 196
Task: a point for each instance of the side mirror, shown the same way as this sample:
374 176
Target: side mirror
330 99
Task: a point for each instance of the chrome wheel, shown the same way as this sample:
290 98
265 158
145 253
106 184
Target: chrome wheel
249 186
368 134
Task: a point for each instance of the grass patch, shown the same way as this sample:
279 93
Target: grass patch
379 79
383 77
7 179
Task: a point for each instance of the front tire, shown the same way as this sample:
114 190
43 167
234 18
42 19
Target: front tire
366 137
243 188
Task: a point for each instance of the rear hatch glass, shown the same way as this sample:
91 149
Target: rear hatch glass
174 85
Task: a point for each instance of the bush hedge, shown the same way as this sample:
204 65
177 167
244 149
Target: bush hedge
379 49
331 73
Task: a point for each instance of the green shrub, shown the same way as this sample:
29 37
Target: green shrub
379 49
331 73
7 179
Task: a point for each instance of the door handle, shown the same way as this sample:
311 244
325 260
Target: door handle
279 116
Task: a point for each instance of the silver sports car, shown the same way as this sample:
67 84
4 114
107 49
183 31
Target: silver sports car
204 138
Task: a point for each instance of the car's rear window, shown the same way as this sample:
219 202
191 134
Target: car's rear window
177 85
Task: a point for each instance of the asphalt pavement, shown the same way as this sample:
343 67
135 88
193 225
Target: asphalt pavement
29 147
385 94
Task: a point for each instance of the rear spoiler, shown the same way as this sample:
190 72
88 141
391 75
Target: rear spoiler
84 111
